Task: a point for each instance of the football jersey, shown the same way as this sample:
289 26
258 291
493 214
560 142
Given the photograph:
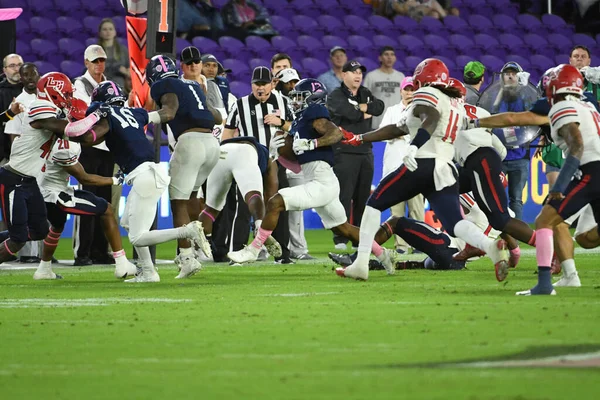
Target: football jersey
54 178
14 126
126 138
588 118
451 119
192 111
33 146
467 141
261 150
302 128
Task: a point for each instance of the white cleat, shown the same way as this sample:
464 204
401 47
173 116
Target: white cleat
355 271
571 280
197 236
247 254
388 261
45 275
500 256
124 270
145 277
200 256
528 293
273 247
188 266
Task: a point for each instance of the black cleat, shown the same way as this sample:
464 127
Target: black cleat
340 259
410 265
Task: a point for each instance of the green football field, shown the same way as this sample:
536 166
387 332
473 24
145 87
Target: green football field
298 332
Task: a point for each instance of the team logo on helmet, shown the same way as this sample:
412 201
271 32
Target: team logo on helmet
444 76
110 91
158 68
419 69
579 82
56 85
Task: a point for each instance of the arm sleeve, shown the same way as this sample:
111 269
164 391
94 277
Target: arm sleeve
541 107
338 104
562 114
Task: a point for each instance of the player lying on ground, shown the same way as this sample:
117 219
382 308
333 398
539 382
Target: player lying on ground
313 133
428 168
122 129
246 161
575 127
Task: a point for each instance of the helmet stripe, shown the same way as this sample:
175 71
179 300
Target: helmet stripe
162 62
117 93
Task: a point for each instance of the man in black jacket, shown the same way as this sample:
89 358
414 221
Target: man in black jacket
10 87
351 107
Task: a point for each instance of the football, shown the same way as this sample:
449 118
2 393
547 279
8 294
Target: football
286 151
135 7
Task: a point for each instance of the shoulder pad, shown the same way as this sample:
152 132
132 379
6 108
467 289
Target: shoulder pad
426 96
42 109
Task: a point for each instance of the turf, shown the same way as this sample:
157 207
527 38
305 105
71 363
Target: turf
293 332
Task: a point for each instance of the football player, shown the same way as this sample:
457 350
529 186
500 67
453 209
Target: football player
61 199
313 134
122 129
575 127
247 161
183 107
428 168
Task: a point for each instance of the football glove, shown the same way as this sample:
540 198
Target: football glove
591 74
409 159
302 145
276 142
119 178
350 138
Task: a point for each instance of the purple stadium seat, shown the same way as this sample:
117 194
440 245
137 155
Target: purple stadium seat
407 25
369 64
91 24
359 24
411 63
381 40
541 62
239 68
45 67
314 67
556 24
43 8
410 43
240 89
505 23
561 59
538 44
22 47
585 40
432 25
205 45
307 25
510 41
462 42
257 62
332 25
522 61
446 60
479 23
492 63
531 23
43 47
359 43
259 45
284 44
120 25
439 45
381 24
71 48
461 61
560 42
309 43
72 69
43 27
281 24
69 26
458 25
91 41
181 44
330 41
306 7
399 65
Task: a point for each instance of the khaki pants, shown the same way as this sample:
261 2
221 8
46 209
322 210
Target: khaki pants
416 211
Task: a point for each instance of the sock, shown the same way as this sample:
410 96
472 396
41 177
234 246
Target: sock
368 228
470 233
568 267
261 236
544 247
186 251
531 241
376 249
119 256
516 252
145 260
257 224
45 266
544 285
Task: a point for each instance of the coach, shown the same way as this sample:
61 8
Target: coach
352 106
261 114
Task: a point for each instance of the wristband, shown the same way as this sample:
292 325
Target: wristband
567 171
420 138
154 117
9 114
316 143
282 123
115 181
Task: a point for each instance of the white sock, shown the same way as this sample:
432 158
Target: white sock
369 225
257 224
45 266
161 236
470 233
568 267
145 260
186 251
120 257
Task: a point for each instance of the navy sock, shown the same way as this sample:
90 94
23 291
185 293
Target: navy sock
544 285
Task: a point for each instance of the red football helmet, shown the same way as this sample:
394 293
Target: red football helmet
565 79
57 88
455 83
432 72
77 109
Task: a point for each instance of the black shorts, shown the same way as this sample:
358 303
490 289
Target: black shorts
81 203
580 192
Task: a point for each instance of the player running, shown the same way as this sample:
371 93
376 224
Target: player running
313 133
575 127
183 107
428 168
122 129
61 199
246 161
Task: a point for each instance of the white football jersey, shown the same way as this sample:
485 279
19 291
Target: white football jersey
467 141
15 126
452 115
54 178
33 146
584 114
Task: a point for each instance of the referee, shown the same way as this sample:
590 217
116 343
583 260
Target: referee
261 114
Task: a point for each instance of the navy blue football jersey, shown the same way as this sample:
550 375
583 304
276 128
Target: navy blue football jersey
192 111
542 107
126 138
302 126
261 150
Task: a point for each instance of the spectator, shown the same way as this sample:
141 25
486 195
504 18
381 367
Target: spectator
332 79
191 66
198 17
351 106
117 56
384 82
10 87
245 18
279 61
415 9
581 59
394 153
473 76
447 6
286 80
89 243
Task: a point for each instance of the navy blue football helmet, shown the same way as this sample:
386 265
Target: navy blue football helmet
160 67
109 92
306 92
541 86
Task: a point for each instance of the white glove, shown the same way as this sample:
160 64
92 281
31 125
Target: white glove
302 145
523 78
276 142
354 103
591 74
409 159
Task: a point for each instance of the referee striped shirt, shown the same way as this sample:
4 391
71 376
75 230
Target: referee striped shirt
248 114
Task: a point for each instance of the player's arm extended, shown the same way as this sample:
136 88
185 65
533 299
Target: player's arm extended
507 119
330 133
387 132
94 136
77 171
56 126
270 180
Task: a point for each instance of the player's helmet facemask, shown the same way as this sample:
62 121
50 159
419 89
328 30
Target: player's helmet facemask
109 92
160 67
307 92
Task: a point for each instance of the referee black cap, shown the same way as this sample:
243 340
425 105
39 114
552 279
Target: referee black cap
261 75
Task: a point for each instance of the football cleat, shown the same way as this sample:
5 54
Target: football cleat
123 270
45 275
273 247
187 265
196 235
533 292
355 271
340 259
468 252
386 260
144 277
513 259
571 280
499 255
248 254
